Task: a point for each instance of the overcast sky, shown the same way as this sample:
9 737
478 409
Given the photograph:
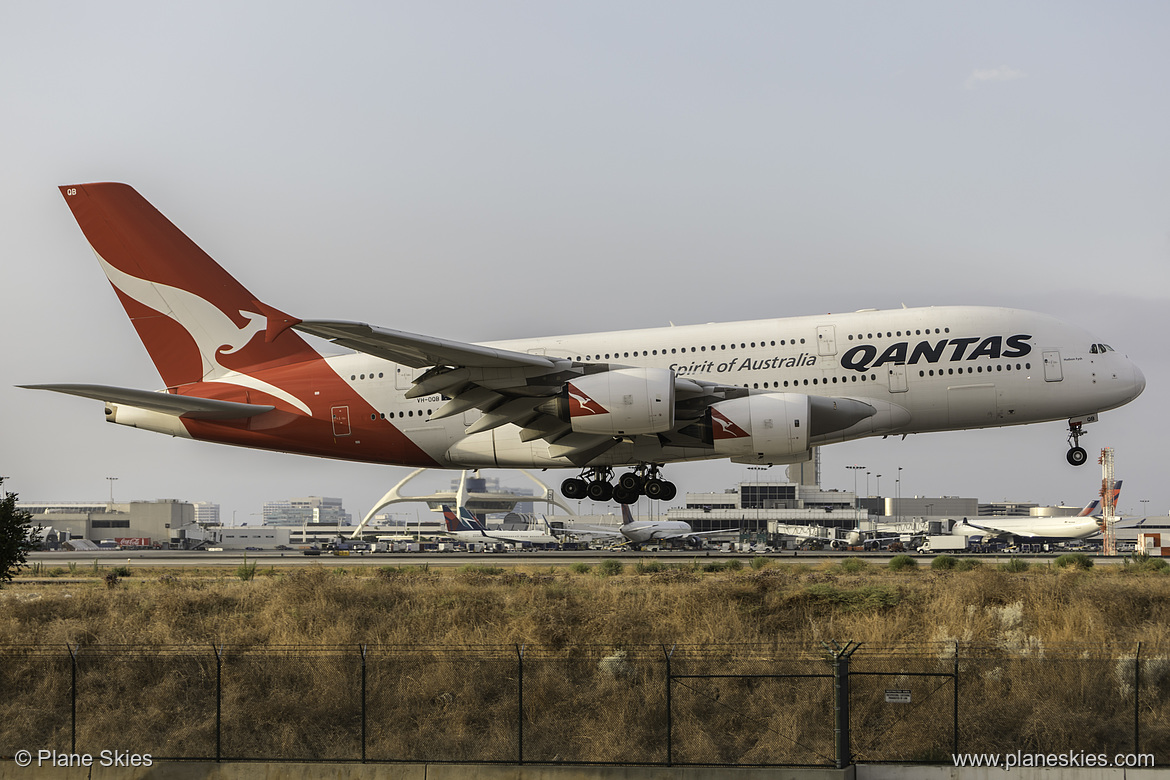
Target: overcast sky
485 171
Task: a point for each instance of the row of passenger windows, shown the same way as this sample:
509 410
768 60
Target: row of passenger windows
677 350
815 381
976 369
891 334
753 344
407 413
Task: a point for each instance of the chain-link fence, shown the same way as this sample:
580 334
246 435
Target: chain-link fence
680 705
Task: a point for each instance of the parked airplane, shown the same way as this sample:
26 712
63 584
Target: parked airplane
238 371
465 526
639 532
1034 529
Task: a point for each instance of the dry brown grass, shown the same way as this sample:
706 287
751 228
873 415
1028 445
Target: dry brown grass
554 608
1045 657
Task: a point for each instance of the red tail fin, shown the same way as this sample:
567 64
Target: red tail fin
195 320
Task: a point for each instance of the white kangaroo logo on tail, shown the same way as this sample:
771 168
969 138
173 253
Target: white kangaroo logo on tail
211 329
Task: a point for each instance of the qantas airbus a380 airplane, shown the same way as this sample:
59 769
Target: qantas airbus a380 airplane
238 371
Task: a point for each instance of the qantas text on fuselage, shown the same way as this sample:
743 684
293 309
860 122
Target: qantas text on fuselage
239 371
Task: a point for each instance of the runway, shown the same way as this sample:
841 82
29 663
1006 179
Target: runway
266 558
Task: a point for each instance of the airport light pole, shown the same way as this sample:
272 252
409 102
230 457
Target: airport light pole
111 480
856 469
759 499
1145 508
898 493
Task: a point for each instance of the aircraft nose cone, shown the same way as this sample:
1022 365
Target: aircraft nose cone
1139 381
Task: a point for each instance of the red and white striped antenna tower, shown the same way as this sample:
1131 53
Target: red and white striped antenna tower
1108 510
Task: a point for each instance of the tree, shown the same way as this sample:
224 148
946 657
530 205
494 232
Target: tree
16 537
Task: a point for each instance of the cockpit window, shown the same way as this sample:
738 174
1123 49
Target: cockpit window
1100 349
1093 350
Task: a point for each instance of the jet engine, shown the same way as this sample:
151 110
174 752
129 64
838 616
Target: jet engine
777 427
621 402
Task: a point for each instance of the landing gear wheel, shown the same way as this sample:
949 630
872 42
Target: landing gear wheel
623 496
573 488
1077 456
669 491
655 488
631 483
599 490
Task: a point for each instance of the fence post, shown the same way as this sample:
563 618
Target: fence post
218 702
363 649
72 698
1137 692
841 656
955 704
520 704
669 708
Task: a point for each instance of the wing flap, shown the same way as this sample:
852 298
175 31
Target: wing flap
166 403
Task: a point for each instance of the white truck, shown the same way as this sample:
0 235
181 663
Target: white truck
946 543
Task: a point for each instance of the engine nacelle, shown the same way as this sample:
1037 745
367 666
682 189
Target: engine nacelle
622 402
765 427
778 427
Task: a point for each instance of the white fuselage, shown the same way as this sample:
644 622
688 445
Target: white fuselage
931 369
1029 528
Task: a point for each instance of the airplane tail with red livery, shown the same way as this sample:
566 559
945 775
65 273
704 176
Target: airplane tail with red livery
236 372
196 321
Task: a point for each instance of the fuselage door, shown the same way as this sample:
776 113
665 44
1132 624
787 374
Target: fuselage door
897 377
1052 369
341 421
403 378
826 340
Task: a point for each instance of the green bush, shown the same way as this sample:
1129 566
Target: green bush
759 562
122 571
609 568
903 563
1074 561
1015 565
854 565
967 564
944 563
246 571
580 567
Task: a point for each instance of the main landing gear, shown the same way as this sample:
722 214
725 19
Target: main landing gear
594 483
1076 454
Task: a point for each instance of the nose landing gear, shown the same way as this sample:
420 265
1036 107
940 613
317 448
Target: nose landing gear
1076 454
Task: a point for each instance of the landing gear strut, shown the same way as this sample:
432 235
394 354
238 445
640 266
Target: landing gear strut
594 483
1076 454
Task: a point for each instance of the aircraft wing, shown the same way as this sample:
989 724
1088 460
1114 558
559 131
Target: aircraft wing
166 403
702 533
592 531
992 530
416 351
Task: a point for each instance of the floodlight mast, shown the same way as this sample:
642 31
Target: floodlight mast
1108 508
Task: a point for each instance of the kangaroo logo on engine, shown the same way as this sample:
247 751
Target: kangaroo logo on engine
865 356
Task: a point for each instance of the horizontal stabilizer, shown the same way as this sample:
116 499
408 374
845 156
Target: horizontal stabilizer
166 403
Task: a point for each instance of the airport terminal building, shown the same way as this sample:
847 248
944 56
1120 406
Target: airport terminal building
132 524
